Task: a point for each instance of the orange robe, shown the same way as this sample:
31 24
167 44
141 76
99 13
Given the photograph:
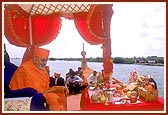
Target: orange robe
28 75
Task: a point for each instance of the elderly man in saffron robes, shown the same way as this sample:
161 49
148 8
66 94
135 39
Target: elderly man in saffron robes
33 74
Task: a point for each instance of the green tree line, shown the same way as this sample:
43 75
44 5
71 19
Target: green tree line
119 60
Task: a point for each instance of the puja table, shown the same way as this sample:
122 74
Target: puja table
87 105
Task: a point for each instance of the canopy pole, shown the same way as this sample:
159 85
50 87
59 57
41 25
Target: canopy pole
84 62
30 31
30 49
83 46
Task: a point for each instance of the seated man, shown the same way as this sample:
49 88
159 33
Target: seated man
73 83
9 70
32 74
68 74
59 81
79 69
92 78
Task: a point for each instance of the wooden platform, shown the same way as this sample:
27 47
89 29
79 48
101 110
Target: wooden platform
73 102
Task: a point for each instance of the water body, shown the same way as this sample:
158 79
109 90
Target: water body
120 71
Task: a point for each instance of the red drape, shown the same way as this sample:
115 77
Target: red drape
45 28
16 19
89 25
107 60
94 27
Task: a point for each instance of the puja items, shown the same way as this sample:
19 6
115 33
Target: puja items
148 92
98 97
128 94
148 95
133 97
101 85
102 98
101 95
94 98
92 86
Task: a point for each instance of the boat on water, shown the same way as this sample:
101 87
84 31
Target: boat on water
22 25
116 94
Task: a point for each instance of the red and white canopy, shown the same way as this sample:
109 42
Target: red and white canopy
27 25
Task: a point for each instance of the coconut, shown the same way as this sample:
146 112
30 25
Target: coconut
102 98
128 94
94 98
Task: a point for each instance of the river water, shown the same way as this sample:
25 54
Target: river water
120 71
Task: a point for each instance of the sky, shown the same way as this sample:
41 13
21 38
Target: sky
137 29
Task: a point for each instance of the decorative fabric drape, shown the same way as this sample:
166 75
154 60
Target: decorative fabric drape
45 28
93 26
90 26
107 60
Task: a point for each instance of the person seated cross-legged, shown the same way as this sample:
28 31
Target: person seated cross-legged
32 74
73 83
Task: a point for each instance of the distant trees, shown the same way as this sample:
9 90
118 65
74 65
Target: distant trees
98 59
123 60
120 60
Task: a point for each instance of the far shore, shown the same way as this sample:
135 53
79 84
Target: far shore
151 64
